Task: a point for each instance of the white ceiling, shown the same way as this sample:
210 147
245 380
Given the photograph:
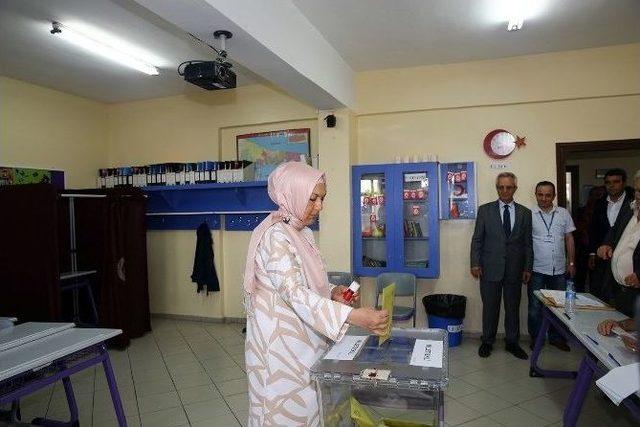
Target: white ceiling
377 34
368 34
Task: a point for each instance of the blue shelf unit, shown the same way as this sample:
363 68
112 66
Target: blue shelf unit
184 207
237 206
395 219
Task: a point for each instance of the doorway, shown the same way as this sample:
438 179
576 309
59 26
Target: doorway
582 165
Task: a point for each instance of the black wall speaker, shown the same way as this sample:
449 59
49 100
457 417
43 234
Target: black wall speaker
331 121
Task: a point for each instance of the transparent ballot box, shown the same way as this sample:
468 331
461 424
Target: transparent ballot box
400 383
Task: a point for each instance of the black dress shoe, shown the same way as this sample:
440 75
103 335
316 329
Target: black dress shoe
560 345
485 350
517 351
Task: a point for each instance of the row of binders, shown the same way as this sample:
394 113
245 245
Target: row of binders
207 172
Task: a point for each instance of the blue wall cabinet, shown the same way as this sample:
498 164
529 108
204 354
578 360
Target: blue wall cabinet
395 219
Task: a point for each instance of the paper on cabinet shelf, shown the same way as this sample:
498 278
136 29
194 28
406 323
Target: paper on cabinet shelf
620 382
347 348
427 353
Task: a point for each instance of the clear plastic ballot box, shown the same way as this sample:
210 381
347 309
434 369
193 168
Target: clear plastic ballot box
400 383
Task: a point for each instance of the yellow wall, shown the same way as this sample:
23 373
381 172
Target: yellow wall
447 110
47 129
190 128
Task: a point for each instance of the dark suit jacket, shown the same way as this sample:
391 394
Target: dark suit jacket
613 237
499 257
599 226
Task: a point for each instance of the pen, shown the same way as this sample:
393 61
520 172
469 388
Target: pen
592 340
567 316
614 359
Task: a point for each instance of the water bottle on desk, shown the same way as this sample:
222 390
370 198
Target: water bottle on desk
570 298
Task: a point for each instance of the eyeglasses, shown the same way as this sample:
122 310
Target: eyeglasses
505 187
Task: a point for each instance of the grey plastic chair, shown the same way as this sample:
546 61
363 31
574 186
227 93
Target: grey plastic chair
405 287
340 278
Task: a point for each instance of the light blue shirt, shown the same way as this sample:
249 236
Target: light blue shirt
512 212
549 230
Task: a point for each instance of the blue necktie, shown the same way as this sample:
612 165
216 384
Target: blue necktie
506 221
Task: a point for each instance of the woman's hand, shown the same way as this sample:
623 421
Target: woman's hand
604 327
376 321
338 290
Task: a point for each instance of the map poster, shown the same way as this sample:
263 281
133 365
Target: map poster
16 176
268 149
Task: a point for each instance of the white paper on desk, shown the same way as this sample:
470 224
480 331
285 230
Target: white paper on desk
427 353
620 382
347 348
581 300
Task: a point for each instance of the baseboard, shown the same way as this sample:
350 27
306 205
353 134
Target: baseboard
203 319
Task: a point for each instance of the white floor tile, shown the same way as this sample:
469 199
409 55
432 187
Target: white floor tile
173 417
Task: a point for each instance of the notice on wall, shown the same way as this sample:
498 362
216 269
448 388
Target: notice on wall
427 353
347 348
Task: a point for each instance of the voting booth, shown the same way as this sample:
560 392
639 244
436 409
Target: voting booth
398 383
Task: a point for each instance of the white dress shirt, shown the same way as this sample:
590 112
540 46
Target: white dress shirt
613 208
549 230
622 260
512 211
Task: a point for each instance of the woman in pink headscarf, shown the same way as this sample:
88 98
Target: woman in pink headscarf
293 313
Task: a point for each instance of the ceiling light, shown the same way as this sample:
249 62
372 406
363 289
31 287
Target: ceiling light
96 47
515 23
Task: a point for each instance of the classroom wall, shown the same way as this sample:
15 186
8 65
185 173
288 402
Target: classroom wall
190 128
47 129
447 110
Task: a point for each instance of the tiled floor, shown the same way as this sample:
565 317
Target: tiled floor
192 374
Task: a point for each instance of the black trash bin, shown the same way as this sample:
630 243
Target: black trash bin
446 311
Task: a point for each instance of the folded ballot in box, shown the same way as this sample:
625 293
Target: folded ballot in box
398 383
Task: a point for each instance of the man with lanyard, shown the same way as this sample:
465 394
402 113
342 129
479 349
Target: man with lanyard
552 229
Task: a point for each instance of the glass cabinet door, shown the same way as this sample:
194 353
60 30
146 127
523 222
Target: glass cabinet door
415 218
373 220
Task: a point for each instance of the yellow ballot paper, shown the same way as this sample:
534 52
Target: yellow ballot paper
360 415
388 294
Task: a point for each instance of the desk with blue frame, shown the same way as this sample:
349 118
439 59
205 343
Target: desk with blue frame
601 353
35 355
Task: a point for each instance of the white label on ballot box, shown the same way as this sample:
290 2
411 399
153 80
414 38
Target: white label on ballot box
347 348
427 353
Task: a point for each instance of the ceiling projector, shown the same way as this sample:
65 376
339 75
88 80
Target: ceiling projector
211 75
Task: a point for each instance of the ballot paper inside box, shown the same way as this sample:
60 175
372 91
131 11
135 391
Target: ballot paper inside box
397 383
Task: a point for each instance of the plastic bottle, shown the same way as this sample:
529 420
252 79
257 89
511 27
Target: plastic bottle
350 291
570 298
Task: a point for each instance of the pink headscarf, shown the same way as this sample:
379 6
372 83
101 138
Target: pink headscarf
290 186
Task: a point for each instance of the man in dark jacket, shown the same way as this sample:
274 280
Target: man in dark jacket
605 213
621 247
502 258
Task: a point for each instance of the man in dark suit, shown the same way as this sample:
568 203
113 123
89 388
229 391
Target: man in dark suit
621 246
502 258
605 213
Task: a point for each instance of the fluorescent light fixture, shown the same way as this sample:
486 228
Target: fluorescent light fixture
96 47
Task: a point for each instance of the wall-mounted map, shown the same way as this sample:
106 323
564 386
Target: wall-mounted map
15 176
268 149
